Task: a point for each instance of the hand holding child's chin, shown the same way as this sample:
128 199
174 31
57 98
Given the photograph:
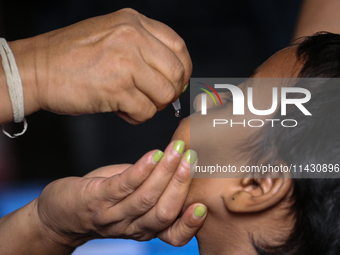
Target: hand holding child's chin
140 202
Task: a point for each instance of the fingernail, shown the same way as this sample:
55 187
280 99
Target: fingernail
158 155
179 146
200 211
190 156
185 88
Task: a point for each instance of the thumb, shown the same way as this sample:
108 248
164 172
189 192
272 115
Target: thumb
185 228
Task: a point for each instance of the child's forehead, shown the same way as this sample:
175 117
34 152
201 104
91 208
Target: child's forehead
283 64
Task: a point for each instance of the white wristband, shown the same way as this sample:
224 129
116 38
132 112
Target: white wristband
14 86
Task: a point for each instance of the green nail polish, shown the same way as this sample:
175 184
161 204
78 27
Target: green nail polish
200 211
190 156
157 156
179 146
185 88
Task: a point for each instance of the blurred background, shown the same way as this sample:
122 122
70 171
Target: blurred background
225 39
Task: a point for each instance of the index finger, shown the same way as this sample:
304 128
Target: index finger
136 205
122 185
172 40
108 171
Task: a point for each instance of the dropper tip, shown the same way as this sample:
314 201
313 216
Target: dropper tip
178 113
177 106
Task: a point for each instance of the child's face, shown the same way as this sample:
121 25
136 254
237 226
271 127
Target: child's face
213 192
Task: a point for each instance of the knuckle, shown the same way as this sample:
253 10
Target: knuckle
182 236
179 44
129 10
147 112
167 169
151 112
177 71
181 182
168 94
181 177
135 232
140 172
177 242
145 237
165 216
126 31
146 201
180 49
124 188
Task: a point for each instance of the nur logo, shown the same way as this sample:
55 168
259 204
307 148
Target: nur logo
204 97
238 99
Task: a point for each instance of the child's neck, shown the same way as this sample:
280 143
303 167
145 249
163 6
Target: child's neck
216 239
213 248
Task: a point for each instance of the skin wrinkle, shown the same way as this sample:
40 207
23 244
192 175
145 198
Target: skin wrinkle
49 229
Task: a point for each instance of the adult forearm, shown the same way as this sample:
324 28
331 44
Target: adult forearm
21 232
139 202
25 55
5 104
318 15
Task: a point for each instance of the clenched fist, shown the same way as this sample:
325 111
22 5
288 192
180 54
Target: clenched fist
122 62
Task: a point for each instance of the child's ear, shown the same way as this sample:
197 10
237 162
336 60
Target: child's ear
257 194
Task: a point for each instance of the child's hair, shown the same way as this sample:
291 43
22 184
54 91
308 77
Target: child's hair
316 139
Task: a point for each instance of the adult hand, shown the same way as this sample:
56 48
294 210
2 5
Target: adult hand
138 202
122 62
